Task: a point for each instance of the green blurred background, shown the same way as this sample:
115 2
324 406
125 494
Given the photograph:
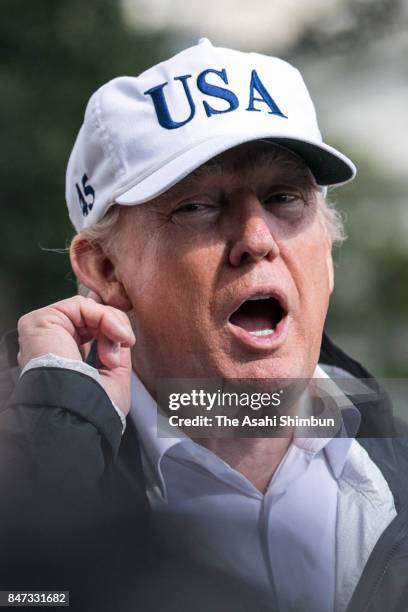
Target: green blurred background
55 53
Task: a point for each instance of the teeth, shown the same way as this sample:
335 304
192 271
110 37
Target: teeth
262 332
259 297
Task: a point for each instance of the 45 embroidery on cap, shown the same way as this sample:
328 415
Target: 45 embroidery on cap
86 195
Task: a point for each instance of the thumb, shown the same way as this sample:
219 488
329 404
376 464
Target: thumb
85 349
117 380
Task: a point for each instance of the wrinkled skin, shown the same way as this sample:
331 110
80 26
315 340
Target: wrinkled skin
250 219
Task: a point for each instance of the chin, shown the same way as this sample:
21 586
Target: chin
275 367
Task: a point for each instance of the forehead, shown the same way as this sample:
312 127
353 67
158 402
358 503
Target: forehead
258 152
255 162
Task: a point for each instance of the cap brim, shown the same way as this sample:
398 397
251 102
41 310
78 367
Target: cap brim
329 166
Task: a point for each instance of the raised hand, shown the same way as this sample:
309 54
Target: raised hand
66 329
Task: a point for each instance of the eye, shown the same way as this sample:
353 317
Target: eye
196 208
285 198
289 206
190 207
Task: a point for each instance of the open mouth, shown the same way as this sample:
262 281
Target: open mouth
259 315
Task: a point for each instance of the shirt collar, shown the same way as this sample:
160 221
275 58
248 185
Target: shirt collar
336 448
148 419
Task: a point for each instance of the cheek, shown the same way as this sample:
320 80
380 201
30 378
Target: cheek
171 291
307 261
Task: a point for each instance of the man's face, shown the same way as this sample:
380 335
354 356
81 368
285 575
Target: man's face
228 272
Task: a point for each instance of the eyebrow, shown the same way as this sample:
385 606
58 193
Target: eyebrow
283 162
191 181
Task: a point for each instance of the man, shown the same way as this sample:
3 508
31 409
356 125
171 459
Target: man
198 193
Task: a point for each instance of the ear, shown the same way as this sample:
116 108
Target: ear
94 269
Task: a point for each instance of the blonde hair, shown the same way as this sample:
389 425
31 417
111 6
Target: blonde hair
333 220
104 231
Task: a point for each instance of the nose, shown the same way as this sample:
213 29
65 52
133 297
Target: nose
251 237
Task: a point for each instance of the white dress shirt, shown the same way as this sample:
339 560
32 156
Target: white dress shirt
287 542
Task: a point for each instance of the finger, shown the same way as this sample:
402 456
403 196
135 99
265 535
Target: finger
108 352
117 381
85 349
108 321
85 334
112 355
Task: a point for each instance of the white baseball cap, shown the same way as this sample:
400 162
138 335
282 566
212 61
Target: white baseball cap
141 135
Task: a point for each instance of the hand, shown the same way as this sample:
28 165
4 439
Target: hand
66 329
